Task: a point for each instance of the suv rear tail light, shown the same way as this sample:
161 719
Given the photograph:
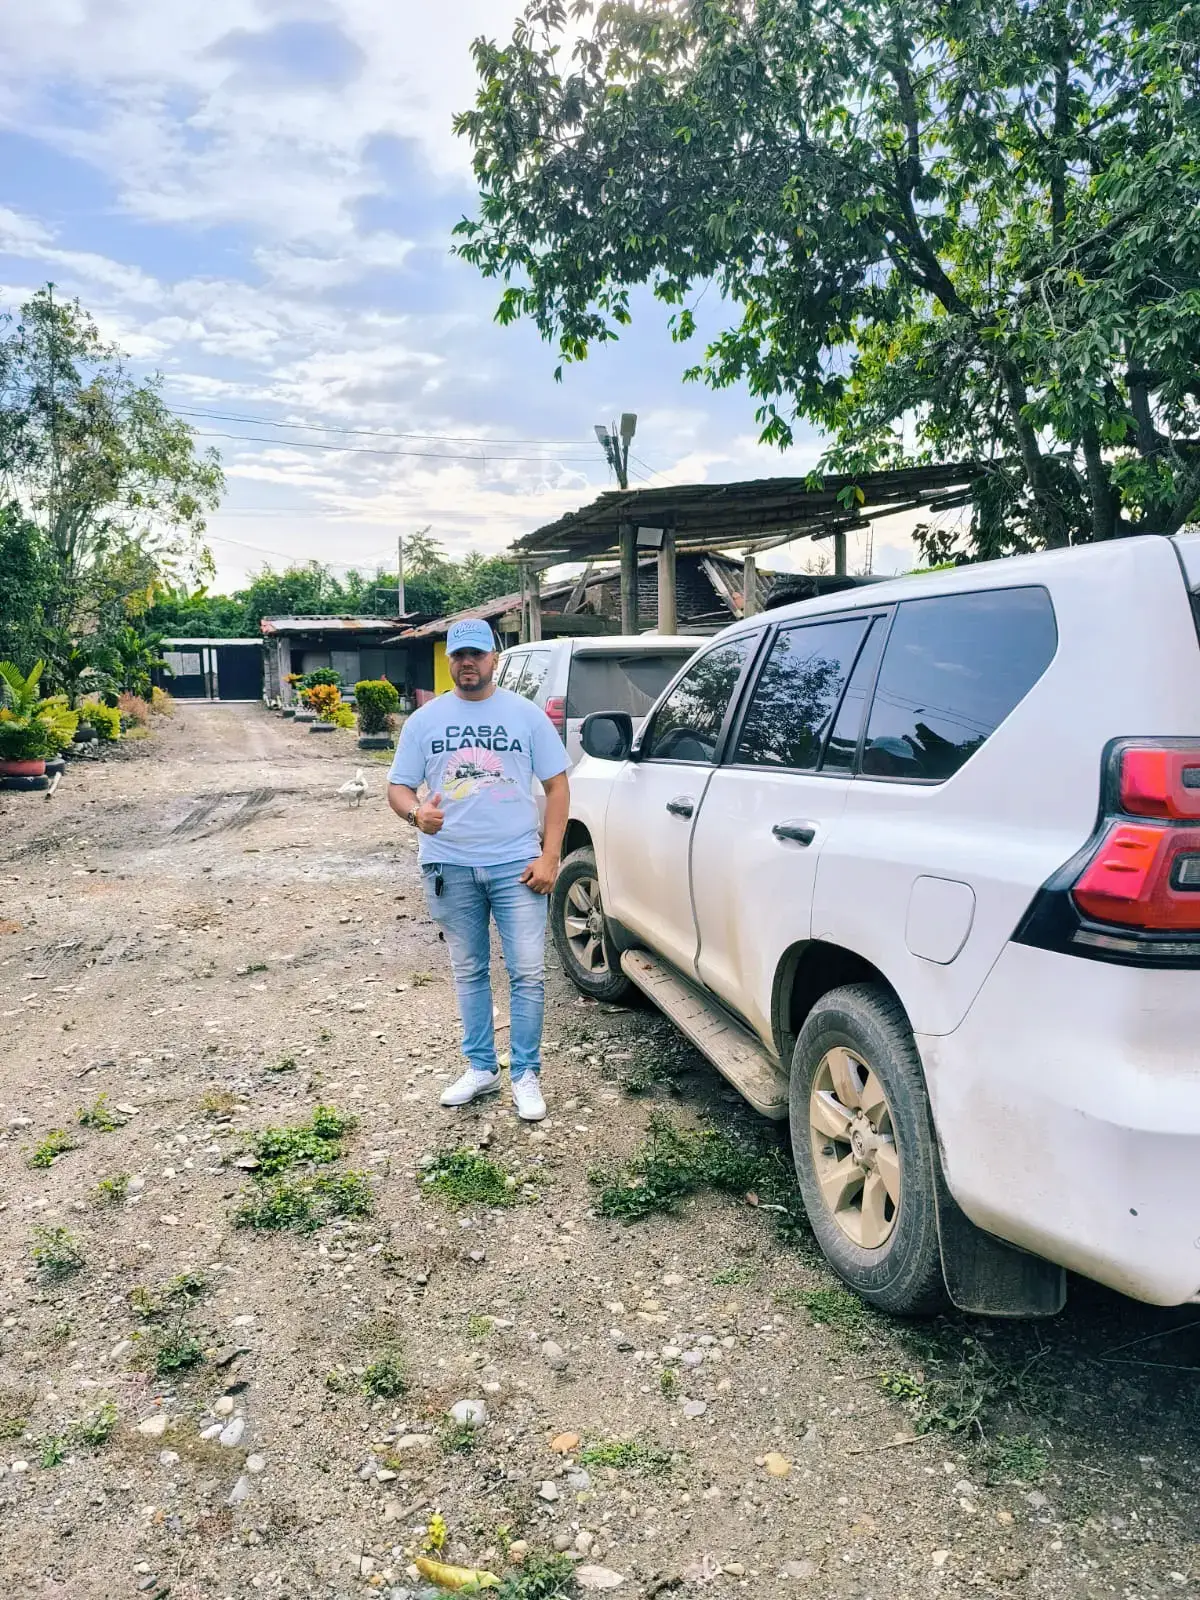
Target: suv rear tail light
1133 893
556 710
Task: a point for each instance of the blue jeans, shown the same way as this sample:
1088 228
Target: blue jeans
469 897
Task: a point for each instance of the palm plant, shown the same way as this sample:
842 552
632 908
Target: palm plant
137 655
24 736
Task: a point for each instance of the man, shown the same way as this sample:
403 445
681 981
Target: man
478 750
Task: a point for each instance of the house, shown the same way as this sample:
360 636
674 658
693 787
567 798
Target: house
355 647
709 595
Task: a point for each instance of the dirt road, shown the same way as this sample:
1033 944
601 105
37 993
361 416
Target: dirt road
207 936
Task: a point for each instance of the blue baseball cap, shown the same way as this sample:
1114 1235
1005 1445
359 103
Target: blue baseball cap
473 633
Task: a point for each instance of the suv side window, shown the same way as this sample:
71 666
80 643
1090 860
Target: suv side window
509 665
687 726
954 667
797 694
532 675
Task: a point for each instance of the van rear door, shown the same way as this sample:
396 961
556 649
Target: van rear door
611 680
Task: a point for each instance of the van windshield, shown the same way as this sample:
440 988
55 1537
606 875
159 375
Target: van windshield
612 682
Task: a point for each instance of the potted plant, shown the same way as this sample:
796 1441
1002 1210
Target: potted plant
377 702
325 700
25 739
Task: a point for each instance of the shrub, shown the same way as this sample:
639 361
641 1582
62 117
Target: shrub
321 675
323 698
161 703
342 716
105 719
377 701
22 740
59 720
134 711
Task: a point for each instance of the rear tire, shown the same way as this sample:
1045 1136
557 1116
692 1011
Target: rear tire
862 1141
580 932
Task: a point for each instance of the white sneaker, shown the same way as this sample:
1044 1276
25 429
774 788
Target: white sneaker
473 1085
527 1097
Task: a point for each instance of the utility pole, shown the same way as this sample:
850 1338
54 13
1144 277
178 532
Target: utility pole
615 443
399 574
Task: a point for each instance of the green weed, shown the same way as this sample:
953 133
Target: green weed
457 1438
56 1252
478 1327
540 1577
307 1203
173 1296
284 1064
962 1378
178 1351
317 1142
463 1177
56 1143
111 1191
100 1117
1016 1457
16 1407
218 1103
732 1275
53 1451
626 1454
676 1162
668 1382
386 1378
97 1427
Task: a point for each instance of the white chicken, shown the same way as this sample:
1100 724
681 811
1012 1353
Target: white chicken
355 788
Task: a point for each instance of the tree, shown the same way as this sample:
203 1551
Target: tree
111 479
964 226
26 586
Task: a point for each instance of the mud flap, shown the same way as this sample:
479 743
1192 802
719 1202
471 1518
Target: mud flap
987 1277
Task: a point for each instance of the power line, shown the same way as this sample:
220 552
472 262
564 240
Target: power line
372 433
365 450
285 555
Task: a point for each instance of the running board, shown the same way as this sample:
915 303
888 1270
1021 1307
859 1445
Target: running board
734 1051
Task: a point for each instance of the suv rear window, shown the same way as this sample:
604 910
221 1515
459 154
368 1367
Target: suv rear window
610 682
954 667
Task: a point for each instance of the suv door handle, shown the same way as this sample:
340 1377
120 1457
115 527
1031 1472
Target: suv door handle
795 832
682 806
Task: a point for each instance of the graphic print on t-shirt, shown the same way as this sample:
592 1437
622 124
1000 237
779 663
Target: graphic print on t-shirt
472 769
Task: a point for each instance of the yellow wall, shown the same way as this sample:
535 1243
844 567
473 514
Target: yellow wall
441 672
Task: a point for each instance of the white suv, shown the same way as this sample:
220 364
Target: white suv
570 678
918 867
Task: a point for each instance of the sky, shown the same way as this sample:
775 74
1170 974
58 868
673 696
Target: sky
255 199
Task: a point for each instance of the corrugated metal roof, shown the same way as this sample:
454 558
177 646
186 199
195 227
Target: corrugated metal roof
329 624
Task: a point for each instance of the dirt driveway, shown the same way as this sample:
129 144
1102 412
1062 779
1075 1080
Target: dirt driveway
204 934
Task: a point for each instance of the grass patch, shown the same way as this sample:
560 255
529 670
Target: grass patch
284 1064
16 1407
668 1382
315 1142
832 1307
97 1427
56 1252
100 1116
53 1450
626 1455
111 1191
386 1378
478 1327
1016 1458
306 1204
218 1103
676 1162
463 1177
56 1143
421 980
733 1275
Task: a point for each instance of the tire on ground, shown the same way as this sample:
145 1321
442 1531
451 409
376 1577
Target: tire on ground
604 983
904 1274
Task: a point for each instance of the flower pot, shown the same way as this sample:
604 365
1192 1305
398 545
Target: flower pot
306 716
22 769
323 727
376 741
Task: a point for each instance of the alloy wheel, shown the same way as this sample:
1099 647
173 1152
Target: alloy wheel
583 919
854 1148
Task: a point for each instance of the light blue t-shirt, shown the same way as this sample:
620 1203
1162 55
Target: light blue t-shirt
481 756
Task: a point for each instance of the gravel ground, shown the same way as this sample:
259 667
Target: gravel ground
201 931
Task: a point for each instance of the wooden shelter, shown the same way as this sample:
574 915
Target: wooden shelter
750 517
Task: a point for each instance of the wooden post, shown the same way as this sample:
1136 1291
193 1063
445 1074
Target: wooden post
535 605
749 586
524 571
839 554
629 578
668 613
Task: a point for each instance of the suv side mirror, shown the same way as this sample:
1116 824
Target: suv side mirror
607 735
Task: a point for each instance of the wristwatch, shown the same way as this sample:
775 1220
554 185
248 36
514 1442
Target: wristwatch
413 815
